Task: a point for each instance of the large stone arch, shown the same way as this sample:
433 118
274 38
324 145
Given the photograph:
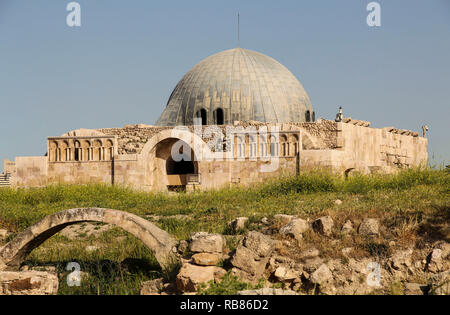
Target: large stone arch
155 163
158 241
197 144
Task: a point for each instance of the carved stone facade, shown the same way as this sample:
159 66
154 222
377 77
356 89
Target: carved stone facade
81 149
141 156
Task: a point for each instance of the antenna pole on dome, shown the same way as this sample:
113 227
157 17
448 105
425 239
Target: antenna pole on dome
239 30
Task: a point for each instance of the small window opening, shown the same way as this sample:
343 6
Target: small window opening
202 114
219 116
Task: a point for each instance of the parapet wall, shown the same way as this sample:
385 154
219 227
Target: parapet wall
370 149
132 138
324 132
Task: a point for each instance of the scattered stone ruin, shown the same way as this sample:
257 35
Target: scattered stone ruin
276 256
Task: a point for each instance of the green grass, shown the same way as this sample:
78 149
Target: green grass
409 203
117 267
309 195
229 285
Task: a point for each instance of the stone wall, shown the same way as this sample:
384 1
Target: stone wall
141 154
129 172
324 132
217 174
369 150
372 149
88 172
30 172
132 138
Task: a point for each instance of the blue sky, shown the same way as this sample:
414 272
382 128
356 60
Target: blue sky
121 65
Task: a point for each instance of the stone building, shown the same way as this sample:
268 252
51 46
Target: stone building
238 117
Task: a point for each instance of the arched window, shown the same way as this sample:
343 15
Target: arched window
308 116
109 150
53 154
273 146
252 147
240 147
86 150
97 151
284 145
203 115
78 155
218 115
294 141
314 116
64 151
262 146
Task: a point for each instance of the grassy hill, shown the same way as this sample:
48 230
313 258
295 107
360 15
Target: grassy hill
413 206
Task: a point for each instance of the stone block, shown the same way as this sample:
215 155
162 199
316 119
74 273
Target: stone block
28 283
202 242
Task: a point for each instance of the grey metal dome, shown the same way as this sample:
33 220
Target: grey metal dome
237 84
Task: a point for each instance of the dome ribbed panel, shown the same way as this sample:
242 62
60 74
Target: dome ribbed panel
247 85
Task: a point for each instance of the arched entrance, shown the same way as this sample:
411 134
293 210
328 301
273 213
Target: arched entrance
175 162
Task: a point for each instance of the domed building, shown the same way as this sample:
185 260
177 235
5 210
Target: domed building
237 85
237 118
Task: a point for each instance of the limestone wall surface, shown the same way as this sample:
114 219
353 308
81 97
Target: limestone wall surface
378 148
133 138
88 172
140 156
369 150
30 172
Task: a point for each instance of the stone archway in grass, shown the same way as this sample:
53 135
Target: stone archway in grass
161 243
